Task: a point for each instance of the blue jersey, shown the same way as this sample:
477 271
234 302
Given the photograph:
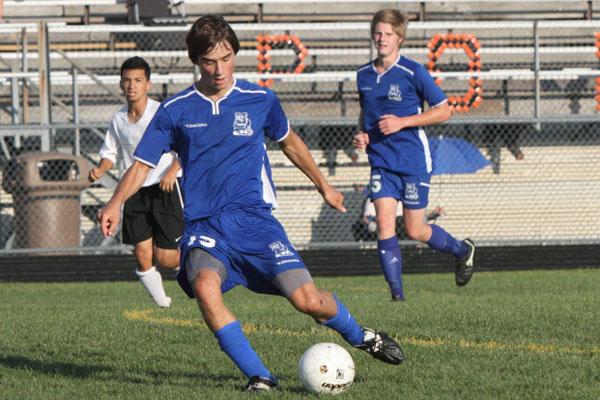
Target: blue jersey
401 90
220 146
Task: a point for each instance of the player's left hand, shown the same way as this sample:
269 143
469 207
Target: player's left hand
389 124
167 183
334 198
109 217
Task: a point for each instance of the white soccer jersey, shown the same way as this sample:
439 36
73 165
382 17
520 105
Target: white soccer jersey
123 137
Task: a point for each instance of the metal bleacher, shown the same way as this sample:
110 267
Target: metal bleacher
115 11
325 95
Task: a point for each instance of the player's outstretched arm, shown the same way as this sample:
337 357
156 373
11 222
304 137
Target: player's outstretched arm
99 171
389 124
295 149
110 215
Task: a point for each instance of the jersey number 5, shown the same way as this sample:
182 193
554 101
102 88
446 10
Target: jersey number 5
204 241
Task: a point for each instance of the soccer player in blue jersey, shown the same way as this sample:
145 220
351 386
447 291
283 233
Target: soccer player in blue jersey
392 90
217 127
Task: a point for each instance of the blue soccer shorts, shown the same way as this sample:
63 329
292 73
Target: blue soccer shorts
251 244
411 190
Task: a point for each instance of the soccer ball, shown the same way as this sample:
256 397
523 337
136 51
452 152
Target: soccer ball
326 368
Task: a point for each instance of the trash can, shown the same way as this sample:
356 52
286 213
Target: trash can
46 189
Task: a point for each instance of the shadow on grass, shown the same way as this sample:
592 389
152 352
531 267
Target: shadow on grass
53 368
74 370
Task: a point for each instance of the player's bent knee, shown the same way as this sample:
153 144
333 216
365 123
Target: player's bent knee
167 258
386 229
141 252
312 306
413 235
308 300
416 233
207 286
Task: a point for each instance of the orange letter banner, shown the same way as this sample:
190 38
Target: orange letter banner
471 46
265 43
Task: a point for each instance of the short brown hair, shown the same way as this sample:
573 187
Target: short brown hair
397 19
206 33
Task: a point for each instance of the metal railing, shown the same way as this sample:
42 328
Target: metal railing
539 98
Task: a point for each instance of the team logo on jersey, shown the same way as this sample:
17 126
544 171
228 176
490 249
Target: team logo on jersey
280 249
242 125
394 93
411 192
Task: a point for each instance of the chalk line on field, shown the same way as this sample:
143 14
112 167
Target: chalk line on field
149 315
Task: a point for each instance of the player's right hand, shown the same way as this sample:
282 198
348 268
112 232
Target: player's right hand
109 218
334 198
360 140
167 183
94 175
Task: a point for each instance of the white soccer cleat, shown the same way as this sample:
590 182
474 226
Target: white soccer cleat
163 303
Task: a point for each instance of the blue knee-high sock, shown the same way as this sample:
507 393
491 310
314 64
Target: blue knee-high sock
344 324
443 241
390 258
234 343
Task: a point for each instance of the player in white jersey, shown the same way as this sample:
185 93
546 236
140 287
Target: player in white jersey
392 90
217 127
152 218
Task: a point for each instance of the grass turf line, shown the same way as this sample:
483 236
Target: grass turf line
507 335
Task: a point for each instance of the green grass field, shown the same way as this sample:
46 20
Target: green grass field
508 335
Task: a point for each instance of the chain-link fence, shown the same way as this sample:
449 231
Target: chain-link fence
524 94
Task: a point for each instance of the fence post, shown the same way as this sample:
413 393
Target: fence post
342 99
45 91
536 71
259 13
14 92
589 13
75 88
25 82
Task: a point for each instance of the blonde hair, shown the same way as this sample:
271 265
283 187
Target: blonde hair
398 20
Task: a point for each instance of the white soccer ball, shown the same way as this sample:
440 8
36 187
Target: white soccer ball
326 368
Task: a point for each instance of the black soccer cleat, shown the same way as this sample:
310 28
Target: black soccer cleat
397 297
382 347
259 384
465 266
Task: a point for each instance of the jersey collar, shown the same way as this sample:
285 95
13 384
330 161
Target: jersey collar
380 75
215 104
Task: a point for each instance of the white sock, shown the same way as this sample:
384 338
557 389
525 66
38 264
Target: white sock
152 281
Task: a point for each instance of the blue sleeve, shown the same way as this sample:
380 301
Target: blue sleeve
360 94
427 88
157 139
276 125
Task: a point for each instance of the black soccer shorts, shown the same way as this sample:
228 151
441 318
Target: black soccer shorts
153 213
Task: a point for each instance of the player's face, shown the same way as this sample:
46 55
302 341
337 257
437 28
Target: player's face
386 40
134 84
216 68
